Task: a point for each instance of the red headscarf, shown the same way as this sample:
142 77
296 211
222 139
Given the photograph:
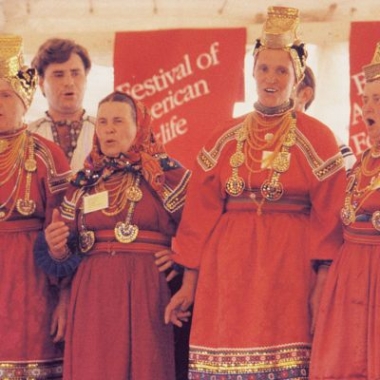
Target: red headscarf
143 156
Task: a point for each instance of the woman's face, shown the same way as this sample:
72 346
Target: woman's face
371 110
115 128
12 108
275 77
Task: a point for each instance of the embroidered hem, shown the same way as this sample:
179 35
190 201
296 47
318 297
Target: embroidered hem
31 370
265 363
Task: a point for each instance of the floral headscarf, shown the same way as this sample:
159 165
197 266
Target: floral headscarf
142 157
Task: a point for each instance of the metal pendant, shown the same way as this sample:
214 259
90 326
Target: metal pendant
272 191
134 194
30 165
347 215
375 219
290 138
237 159
86 240
281 162
26 206
241 135
126 233
235 186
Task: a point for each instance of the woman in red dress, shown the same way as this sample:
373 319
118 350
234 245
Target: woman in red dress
347 341
260 223
121 210
34 174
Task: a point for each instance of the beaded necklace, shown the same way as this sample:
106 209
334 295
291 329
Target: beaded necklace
120 190
19 156
11 157
356 194
276 162
73 127
118 187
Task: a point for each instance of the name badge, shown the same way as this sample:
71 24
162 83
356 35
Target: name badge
95 202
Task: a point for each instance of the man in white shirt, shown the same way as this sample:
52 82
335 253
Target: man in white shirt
63 66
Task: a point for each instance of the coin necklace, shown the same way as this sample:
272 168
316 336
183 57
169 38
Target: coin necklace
277 162
25 206
355 197
126 232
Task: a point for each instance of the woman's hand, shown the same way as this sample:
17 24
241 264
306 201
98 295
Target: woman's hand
56 235
59 318
176 312
164 261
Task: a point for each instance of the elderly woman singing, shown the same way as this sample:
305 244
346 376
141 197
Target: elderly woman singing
119 212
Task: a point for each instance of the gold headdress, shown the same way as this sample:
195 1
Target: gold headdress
280 32
12 69
372 71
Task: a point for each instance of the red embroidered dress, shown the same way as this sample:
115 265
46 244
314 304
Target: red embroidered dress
255 258
27 297
116 328
346 343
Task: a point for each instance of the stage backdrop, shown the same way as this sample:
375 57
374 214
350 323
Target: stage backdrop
363 39
189 79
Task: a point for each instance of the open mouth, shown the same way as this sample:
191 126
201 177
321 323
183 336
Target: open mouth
370 121
270 90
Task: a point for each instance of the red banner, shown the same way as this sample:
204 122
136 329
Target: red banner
363 39
189 78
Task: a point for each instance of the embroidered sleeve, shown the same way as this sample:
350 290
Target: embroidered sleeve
208 158
321 168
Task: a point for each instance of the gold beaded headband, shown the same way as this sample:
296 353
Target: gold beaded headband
280 32
372 71
12 69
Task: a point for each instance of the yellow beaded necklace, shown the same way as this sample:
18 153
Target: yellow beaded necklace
277 161
356 195
17 158
116 186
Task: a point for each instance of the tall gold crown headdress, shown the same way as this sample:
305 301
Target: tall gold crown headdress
12 69
372 71
280 32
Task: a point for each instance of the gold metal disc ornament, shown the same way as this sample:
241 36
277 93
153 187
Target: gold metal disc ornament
134 194
30 165
235 186
26 207
86 240
281 163
347 215
126 233
272 191
375 219
237 159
